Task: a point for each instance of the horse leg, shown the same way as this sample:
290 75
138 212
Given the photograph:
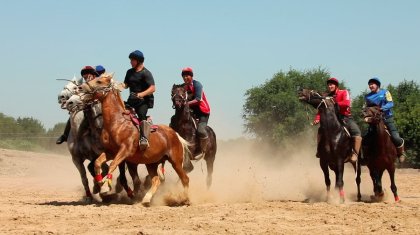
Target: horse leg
82 171
99 180
358 171
324 167
122 180
152 170
210 163
339 183
391 173
132 169
380 190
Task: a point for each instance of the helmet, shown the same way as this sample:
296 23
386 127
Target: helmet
187 71
88 70
375 80
99 69
137 55
333 81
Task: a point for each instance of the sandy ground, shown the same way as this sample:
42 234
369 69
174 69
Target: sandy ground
42 194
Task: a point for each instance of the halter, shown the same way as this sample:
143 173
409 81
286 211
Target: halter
184 99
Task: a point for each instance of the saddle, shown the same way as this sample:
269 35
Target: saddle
130 111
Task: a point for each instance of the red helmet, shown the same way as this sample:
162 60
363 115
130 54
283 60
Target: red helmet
88 70
333 81
187 71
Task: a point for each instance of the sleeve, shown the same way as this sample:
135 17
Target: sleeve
127 75
388 104
317 116
343 100
198 90
149 78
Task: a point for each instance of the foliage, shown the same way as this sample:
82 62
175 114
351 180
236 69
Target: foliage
272 111
27 133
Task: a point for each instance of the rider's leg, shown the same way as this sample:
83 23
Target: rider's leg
144 126
202 132
356 135
66 133
396 139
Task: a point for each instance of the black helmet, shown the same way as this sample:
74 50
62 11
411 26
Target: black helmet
137 55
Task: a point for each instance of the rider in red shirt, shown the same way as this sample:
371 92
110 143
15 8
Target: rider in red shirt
342 98
198 103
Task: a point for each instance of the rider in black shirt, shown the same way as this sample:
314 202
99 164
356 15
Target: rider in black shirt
142 85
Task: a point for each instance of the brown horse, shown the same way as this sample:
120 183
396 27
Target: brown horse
335 144
379 152
184 123
120 139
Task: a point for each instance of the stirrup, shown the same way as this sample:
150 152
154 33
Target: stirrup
144 142
401 158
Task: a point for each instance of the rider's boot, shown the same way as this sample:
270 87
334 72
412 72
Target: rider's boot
66 133
401 153
357 143
144 135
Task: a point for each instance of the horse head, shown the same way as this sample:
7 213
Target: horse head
69 89
372 114
311 97
99 86
179 96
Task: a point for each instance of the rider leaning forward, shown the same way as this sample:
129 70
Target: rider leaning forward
383 99
197 101
88 73
342 98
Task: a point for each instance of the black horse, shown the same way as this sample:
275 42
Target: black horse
185 124
335 144
379 151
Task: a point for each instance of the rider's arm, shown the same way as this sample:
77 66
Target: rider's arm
198 91
388 104
343 99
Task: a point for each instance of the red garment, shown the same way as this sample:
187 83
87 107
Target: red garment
198 96
342 98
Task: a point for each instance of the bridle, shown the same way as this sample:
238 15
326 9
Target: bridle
182 98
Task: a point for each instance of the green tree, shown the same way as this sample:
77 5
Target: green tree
272 111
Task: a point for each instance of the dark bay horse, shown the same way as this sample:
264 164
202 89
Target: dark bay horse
120 138
335 144
184 123
379 152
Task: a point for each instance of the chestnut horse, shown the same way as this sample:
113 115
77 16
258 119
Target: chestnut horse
85 144
120 138
379 152
335 144
184 123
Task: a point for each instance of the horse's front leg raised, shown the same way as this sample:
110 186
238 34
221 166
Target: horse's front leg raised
99 179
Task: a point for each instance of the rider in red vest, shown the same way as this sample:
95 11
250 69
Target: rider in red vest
197 101
342 98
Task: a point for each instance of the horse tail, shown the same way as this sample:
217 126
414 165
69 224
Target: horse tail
186 163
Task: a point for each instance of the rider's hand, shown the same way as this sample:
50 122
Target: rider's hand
121 86
315 122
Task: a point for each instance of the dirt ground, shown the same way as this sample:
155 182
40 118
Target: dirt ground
43 194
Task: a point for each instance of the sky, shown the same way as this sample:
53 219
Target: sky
231 45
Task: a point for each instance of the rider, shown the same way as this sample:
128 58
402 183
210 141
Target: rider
383 99
99 70
142 86
342 98
88 73
199 104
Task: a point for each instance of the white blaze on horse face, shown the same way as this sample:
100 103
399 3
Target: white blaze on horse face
73 102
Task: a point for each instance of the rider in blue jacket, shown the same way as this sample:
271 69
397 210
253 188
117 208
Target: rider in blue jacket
383 99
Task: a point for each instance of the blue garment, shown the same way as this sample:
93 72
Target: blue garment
382 99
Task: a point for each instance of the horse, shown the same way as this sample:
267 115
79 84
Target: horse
335 143
120 138
84 144
379 151
185 125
